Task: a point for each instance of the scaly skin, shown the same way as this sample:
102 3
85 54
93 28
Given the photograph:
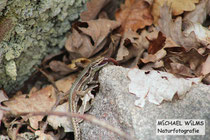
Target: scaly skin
85 77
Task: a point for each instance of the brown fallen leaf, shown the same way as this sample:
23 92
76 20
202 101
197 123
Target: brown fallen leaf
89 37
206 66
173 29
111 50
156 50
38 101
93 9
134 15
156 44
206 70
182 63
177 6
60 67
130 48
42 100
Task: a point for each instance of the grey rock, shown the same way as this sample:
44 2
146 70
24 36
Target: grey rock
115 105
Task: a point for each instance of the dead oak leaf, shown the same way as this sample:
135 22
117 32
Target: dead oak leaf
134 15
130 47
93 8
177 6
173 29
182 63
89 37
156 44
202 34
42 100
200 13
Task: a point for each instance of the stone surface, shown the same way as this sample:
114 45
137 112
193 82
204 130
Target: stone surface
29 30
115 105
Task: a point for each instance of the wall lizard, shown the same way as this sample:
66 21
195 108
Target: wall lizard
81 86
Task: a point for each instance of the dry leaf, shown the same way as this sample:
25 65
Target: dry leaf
177 6
89 37
82 62
156 50
58 121
42 136
156 86
173 29
154 57
206 70
60 67
206 66
202 34
134 15
93 9
156 44
38 101
3 97
188 64
130 47
42 100
200 13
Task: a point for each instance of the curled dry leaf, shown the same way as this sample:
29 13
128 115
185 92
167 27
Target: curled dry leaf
173 29
89 37
60 67
200 13
156 86
80 62
134 15
177 6
113 46
93 9
130 47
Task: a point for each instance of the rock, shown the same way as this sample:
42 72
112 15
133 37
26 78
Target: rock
29 30
115 105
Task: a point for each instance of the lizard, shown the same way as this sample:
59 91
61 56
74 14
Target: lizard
80 87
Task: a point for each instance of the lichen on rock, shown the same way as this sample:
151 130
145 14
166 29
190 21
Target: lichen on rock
36 28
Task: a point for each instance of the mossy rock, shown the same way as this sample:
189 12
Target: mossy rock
29 30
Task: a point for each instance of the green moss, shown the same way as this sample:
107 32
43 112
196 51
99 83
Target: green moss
39 28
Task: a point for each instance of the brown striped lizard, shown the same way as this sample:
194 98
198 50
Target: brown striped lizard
81 87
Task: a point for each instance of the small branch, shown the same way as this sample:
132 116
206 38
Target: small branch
89 118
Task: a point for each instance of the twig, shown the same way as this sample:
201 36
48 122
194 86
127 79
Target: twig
89 118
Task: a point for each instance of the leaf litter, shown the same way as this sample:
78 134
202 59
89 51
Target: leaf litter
165 39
